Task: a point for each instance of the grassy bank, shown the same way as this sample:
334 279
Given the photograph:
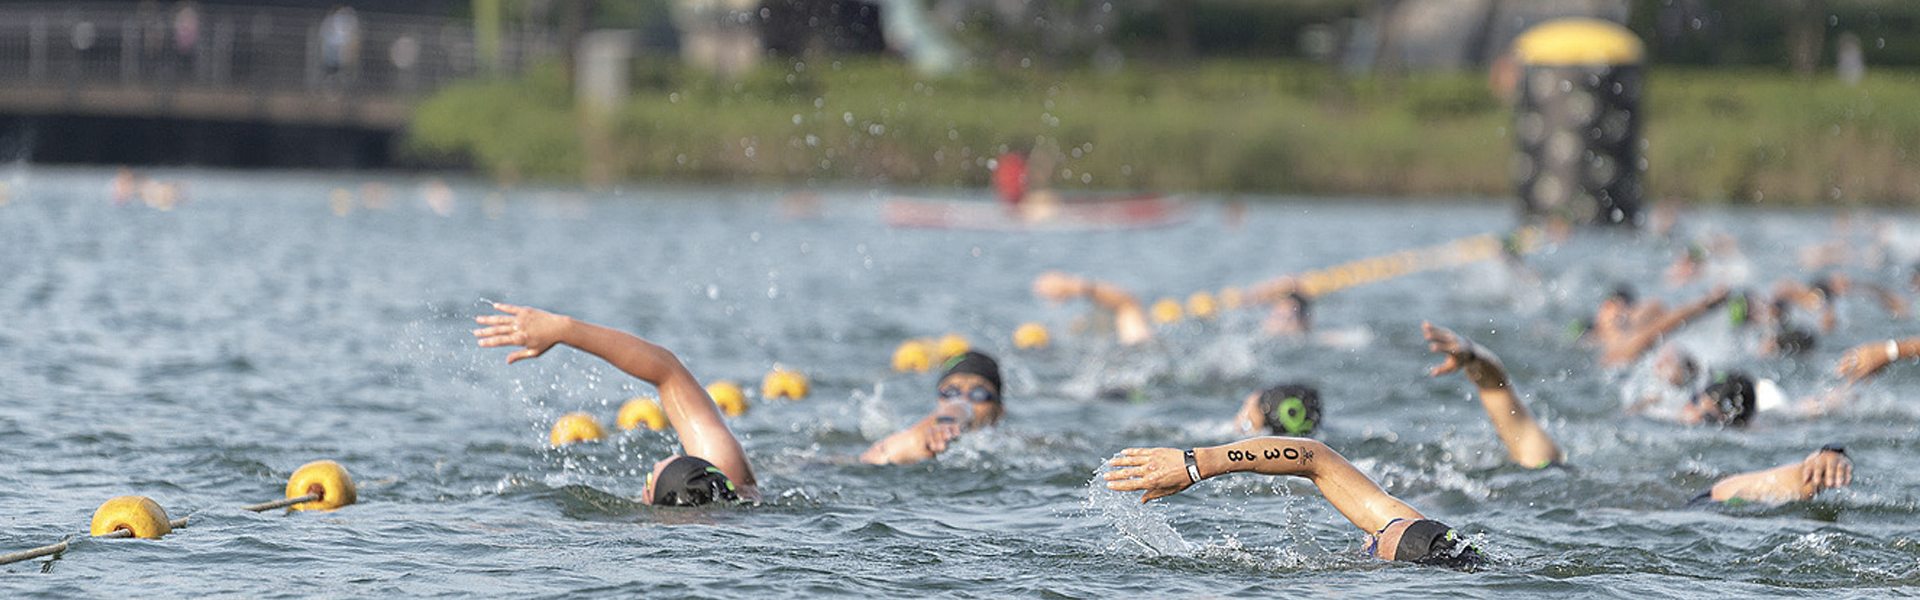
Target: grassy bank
1216 127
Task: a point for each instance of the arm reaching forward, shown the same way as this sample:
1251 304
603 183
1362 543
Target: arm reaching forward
1163 472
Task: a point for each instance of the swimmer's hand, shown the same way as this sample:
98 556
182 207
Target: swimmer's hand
1482 367
1863 361
943 431
1157 471
536 329
1825 470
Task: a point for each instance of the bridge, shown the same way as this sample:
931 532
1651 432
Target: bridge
210 83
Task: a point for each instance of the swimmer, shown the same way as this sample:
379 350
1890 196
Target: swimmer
1396 531
1825 469
969 400
714 468
1729 401
1527 443
1626 330
1292 312
1291 409
1129 318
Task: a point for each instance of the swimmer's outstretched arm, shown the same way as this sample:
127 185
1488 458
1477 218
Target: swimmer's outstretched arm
925 439
1629 347
695 419
1527 443
1800 480
1163 472
1129 319
1863 362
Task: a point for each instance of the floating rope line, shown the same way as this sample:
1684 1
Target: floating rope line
264 506
1450 254
318 485
52 549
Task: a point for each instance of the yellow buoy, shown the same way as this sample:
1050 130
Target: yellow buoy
1231 298
728 397
138 514
784 383
326 478
642 411
1166 310
913 355
1030 335
951 345
1201 305
576 427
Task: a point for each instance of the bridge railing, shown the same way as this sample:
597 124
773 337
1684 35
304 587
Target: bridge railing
236 48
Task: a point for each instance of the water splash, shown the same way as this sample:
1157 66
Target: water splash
1137 522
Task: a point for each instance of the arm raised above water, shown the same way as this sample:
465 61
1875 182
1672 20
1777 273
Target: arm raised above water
695 418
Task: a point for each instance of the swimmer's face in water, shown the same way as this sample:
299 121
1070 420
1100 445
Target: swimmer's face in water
976 391
1703 409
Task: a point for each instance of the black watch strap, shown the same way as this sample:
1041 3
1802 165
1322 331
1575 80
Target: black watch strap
1193 468
1835 447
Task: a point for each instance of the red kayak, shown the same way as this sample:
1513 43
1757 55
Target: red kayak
1091 213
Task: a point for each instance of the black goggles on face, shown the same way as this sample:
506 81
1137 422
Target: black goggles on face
978 393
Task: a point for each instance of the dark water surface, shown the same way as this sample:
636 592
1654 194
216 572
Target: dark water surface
199 355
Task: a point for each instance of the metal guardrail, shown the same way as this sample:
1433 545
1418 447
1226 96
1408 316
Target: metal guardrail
163 58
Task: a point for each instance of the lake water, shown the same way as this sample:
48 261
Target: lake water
199 355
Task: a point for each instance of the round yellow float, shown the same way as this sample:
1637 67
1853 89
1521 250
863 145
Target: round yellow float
326 478
137 514
913 355
1166 310
728 397
642 411
951 345
576 427
1030 335
784 383
1202 306
1231 298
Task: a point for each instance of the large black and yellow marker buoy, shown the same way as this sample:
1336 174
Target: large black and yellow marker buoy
318 485
641 412
574 428
914 356
728 397
1031 335
783 382
1576 121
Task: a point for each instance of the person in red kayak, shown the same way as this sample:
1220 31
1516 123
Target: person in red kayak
1010 177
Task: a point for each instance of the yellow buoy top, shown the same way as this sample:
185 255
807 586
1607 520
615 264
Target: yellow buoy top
1030 335
728 397
326 478
137 514
576 427
1201 305
1166 310
642 412
1230 298
784 383
1578 41
951 345
913 355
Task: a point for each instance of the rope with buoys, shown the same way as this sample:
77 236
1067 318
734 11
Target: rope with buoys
318 485
1454 253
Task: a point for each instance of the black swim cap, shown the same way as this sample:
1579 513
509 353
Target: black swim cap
1430 542
1793 340
977 364
1291 409
1733 393
692 481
